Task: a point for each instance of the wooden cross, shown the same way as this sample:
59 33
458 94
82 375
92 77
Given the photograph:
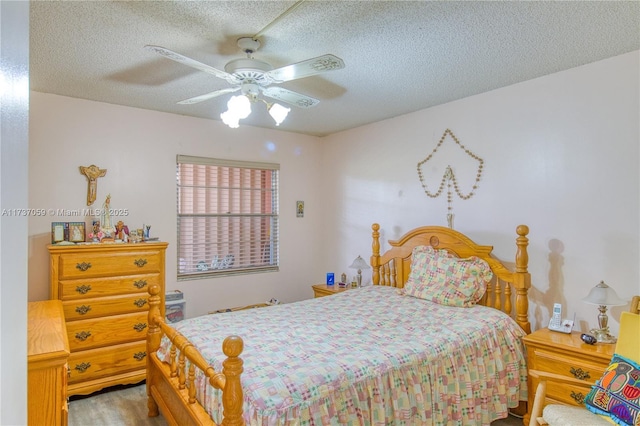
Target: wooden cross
92 173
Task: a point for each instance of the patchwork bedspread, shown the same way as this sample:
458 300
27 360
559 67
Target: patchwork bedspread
367 356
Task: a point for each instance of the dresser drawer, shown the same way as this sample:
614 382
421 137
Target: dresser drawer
93 333
561 364
87 265
105 362
98 287
105 306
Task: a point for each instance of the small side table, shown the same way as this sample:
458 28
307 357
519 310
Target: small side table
321 290
566 355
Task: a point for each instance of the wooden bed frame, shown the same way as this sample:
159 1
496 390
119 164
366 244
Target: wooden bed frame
171 389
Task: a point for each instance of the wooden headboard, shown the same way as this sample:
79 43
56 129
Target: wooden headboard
392 268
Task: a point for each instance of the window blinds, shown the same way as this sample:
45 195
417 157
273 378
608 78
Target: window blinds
227 217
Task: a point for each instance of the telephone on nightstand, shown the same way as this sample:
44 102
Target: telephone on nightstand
556 323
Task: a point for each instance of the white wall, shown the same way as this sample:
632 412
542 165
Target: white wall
14 115
138 148
561 156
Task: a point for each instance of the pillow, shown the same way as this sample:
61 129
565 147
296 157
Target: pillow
617 393
440 277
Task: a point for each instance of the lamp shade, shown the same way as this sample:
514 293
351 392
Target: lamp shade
278 113
603 295
359 263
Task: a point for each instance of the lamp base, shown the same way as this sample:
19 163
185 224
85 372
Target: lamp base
602 335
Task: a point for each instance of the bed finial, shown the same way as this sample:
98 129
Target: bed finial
375 256
522 278
522 257
232 398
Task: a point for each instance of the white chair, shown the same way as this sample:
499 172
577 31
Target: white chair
628 345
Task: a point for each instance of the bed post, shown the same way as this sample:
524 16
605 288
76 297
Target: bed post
375 257
522 279
232 398
153 343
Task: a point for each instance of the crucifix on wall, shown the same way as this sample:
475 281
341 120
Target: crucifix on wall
92 173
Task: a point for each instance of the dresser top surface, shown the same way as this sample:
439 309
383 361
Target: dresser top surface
46 332
106 246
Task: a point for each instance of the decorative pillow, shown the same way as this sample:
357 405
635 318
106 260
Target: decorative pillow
617 393
440 277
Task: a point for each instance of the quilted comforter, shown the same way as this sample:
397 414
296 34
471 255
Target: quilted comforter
366 356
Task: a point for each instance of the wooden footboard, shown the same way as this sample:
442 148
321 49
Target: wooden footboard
170 386
392 268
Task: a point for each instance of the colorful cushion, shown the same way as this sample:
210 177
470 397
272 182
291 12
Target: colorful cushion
440 277
617 393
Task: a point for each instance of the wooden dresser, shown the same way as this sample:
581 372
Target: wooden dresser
565 355
103 289
47 354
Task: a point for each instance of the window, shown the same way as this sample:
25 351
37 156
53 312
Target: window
227 217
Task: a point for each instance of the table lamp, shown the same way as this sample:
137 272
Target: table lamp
359 264
603 296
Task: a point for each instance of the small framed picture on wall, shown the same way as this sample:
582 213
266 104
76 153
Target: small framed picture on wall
299 208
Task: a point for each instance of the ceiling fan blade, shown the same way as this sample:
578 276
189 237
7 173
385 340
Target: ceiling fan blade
170 54
207 96
290 97
306 68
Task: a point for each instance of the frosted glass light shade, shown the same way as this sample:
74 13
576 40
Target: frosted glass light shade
602 294
239 107
278 113
359 263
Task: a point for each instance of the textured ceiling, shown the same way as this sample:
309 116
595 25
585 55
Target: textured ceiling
400 56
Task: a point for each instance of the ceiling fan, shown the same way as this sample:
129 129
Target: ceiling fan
253 77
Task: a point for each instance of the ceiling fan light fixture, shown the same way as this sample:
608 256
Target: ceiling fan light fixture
278 112
238 107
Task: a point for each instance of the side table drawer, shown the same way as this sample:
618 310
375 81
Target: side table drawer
579 369
564 393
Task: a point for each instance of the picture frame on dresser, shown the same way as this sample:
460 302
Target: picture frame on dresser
77 232
57 232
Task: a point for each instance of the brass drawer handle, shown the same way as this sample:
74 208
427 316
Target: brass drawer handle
140 326
140 262
83 289
579 373
139 355
83 309
140 302
82 367
83 335
83 266
577 397
140 283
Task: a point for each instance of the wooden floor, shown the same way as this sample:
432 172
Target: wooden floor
127 406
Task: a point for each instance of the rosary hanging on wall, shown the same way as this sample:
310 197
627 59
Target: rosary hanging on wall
449 177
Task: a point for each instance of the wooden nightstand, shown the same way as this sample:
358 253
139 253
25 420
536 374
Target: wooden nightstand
565 355
320 290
